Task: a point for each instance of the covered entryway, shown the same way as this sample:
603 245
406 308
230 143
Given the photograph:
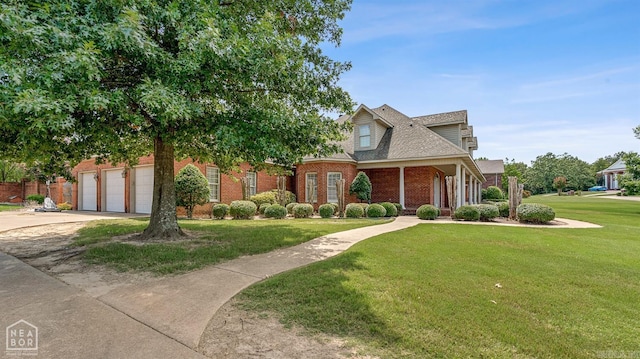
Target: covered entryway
88 192
113 191
143 189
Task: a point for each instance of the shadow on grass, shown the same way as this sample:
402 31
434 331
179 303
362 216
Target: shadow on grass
320 298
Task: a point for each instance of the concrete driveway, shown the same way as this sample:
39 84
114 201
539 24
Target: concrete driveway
10 220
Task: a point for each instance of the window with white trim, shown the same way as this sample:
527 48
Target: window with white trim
364 133
252 178
332 191
213 177
311 188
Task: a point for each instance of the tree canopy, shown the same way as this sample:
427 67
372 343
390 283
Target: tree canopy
539 177
218 81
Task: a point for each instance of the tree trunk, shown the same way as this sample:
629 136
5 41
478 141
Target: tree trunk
164 221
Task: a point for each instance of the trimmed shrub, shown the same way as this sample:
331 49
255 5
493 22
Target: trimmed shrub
535 213
192 188
336 208
36 197
263 197
290 207
220 210
493 192
375 210
242 209
326 210
427 211
503 209
488 211
302 210
275 211
390 209
467 213
64 206
263 207
361 187
354 210
398 208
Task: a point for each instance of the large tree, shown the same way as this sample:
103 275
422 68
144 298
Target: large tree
539 177
223 81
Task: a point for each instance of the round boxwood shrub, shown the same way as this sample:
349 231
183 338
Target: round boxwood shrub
398 208
354 210
427 211
375 210
263 207
36 197
290 207
326 210
535 213
242 209
488 211
467 213
335 206
302 210
503 209
390 209
493 192
275 211
220 210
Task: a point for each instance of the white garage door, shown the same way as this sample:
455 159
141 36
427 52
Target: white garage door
143 189
114 191
89 190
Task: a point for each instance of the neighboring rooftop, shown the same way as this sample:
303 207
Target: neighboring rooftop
491 166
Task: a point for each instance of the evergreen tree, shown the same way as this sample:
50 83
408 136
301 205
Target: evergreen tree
361 187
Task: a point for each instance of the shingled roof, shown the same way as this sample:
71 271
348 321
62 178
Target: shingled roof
491 166
439 119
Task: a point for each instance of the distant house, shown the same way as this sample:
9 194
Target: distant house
406 159
611 173
493 171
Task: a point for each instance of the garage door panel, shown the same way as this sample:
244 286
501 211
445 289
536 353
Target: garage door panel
114 191
143 189
89 192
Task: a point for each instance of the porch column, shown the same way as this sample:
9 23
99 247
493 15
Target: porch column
472 190
606 180
458 177
402 186
479 191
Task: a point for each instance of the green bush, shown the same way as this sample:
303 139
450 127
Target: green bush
36 197
326 210
488 211
263 207
631 187
242 209
354 210
427 211
467 213
275 211
493 192
375 211
220 210
270 197
290 207
390 209
336 208
64 206
535 213
361 187
503 209
192 188
302 210
398 208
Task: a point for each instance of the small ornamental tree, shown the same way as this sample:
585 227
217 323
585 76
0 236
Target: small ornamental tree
192 188
560 183
361 187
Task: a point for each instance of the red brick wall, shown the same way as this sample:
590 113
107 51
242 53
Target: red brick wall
230 187
10 189
348 171
385 184
23 189
493 179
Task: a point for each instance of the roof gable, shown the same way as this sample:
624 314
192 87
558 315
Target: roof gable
491 166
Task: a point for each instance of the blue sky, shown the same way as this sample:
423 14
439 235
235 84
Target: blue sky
536 76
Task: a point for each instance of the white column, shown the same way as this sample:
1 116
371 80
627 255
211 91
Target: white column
402 186
458 176
479 192
463 187
472 190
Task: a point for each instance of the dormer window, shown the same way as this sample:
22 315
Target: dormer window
365 135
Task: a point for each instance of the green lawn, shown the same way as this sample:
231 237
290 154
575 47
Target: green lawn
9 207
213 241
430 290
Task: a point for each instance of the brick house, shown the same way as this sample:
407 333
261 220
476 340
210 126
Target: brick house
492 171
405 158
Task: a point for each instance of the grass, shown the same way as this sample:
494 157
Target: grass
9 207
215 241
430 290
